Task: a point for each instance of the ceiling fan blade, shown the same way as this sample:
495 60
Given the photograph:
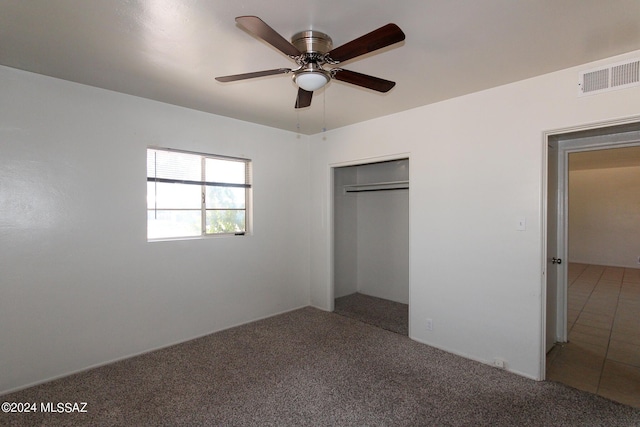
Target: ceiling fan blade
364 80
304 98
259 28
233 78
376 39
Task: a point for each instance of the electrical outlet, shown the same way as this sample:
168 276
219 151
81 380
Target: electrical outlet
429 324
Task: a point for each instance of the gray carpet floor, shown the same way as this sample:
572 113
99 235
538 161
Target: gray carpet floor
385 314
312 368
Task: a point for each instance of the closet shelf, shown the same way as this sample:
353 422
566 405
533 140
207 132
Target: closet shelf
376 186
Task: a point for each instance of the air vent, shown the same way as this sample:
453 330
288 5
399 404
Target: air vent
605 79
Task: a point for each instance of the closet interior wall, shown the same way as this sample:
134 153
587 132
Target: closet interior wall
371 230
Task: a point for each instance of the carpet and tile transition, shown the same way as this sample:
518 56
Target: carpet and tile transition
312 368
385 314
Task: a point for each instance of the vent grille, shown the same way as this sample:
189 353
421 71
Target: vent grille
625 74
595 80
615 76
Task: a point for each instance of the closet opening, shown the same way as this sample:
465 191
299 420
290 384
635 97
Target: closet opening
371 243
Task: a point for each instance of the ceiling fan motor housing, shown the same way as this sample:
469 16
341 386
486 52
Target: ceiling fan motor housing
311 41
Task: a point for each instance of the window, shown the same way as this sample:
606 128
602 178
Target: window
193 195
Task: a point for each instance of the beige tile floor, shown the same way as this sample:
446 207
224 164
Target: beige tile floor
603 352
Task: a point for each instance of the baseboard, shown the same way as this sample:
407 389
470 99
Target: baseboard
475 359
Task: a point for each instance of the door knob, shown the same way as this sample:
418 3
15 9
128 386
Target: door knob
555 260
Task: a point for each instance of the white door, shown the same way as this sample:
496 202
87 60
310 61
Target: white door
553 265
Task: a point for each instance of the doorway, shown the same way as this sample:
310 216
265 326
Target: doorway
592 305
371 243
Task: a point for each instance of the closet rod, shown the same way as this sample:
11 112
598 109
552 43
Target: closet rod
376 186
375 189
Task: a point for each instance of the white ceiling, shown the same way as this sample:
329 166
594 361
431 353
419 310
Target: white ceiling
171 50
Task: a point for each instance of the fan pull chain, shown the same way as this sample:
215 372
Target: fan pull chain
324 111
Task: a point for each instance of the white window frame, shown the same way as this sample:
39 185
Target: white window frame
247 185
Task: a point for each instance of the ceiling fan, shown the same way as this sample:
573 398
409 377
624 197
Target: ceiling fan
311 50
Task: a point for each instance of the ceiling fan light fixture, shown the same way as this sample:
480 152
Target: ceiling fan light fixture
311 81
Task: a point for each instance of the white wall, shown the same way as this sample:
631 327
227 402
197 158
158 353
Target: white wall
477 165
345 224
604 216
79 283
383 245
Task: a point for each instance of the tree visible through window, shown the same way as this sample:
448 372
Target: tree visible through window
190 195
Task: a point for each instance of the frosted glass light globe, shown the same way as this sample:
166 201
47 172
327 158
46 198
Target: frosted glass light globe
311 81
